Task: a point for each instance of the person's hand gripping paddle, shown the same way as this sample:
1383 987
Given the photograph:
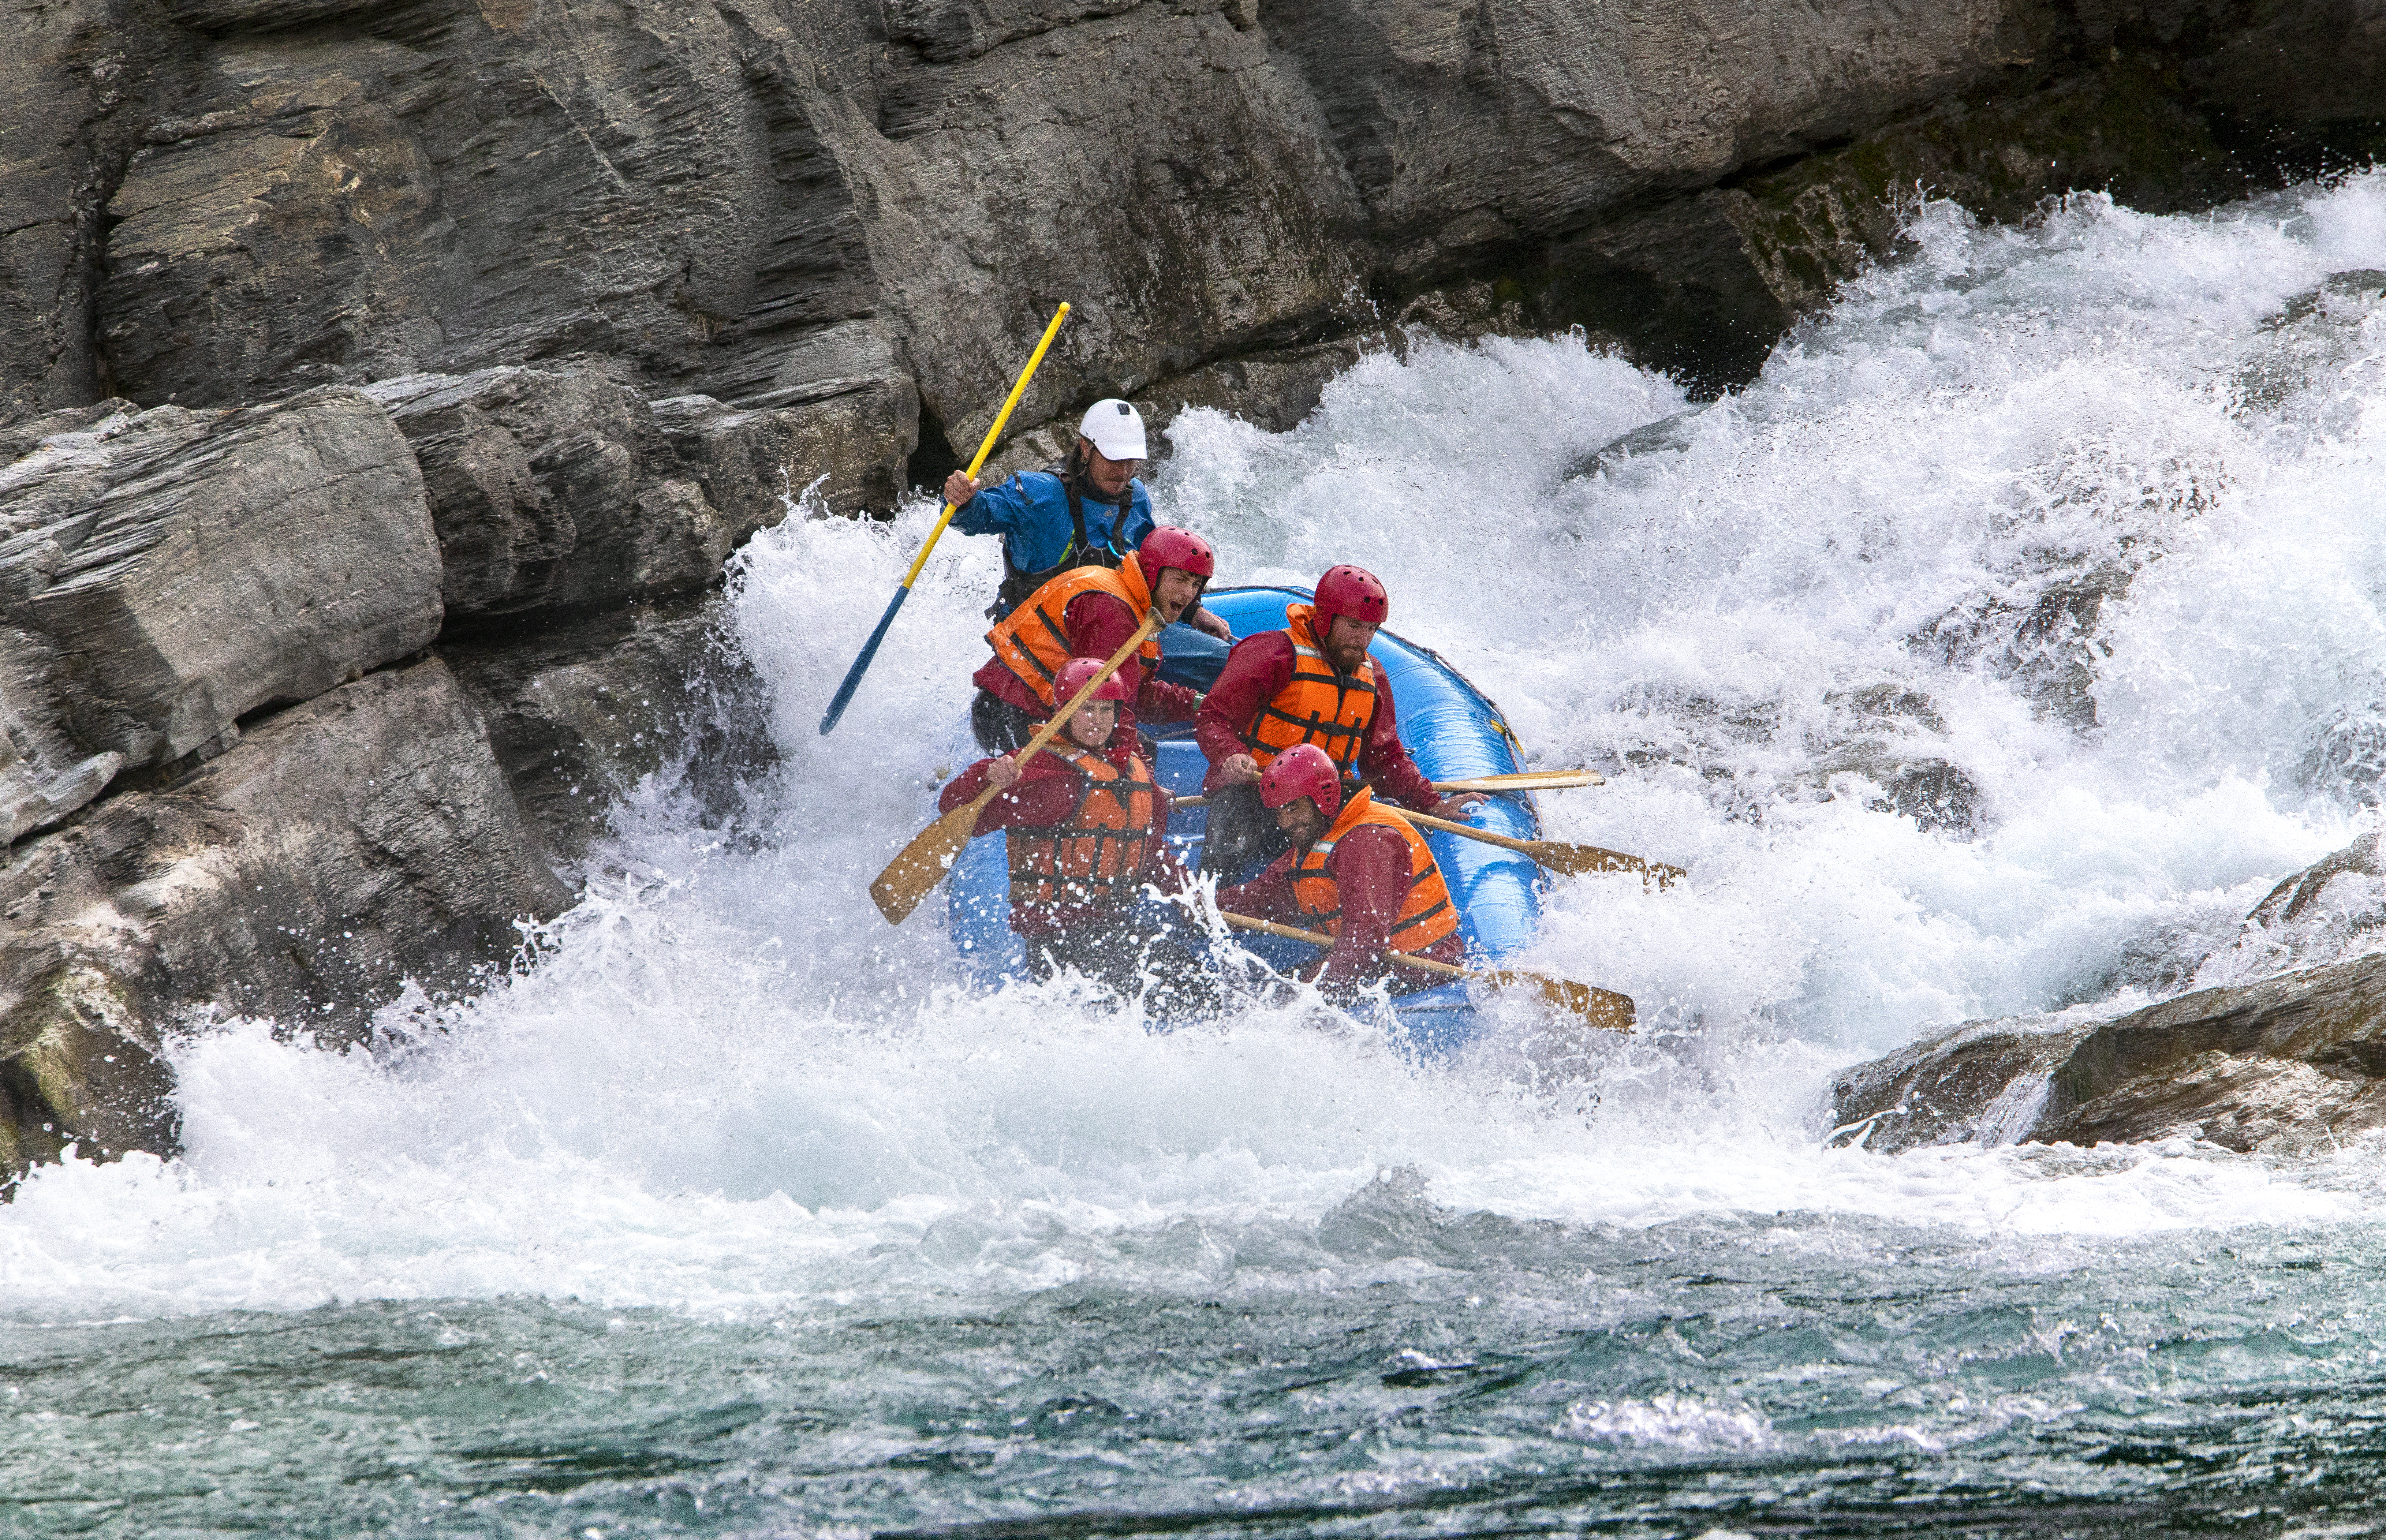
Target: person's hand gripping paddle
923 863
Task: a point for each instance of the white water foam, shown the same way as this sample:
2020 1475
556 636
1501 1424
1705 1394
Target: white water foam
731 1087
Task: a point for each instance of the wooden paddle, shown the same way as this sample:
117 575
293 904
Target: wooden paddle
1527 781
1601 1008
922 864
1572 860
1568 860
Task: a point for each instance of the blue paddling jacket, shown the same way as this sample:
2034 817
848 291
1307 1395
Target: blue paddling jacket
1049 524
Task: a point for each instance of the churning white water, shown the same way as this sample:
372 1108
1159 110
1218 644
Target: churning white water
1993 653
732 1084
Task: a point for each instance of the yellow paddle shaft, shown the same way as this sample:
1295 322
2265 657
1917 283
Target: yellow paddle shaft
1152 620
991 434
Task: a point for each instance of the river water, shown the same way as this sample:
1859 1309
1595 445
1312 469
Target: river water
1993 652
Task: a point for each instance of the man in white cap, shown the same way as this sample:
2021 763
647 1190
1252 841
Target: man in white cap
1090 511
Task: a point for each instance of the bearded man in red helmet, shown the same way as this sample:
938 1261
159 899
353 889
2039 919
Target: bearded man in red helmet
1355 871
1086 834
1313 684
1091 612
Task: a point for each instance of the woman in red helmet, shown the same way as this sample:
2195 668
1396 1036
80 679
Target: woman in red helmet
1087 833
1355 871
1313 683
1091 612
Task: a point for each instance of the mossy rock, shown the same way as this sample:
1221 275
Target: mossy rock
74 1069
2129 129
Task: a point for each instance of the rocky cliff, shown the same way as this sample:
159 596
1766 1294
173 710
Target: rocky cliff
384 381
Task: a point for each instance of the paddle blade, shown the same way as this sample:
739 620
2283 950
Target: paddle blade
1581 860
922 864
1603 1008
844 696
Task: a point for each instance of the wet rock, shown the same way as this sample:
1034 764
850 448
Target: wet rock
2290 1062
2303 355
342 848
2347 755
2330 910
1673 285
2044 639
2357 866
580 714
81 1064
2124 129
181 571
1980 1082
1666 435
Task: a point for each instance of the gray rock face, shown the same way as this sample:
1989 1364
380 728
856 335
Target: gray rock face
2293 1061
1465 128
782 204
186 572
357 192
81 80
343 847
582 714
566 490
847 451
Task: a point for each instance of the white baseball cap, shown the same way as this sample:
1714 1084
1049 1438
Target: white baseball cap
1116 429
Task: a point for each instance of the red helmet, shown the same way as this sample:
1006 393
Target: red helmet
1352 591
1302 771
1073 677
1169 546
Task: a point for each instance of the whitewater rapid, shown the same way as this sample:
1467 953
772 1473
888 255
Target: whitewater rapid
729 1089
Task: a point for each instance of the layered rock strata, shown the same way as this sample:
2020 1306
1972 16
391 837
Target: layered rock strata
237 773
222 202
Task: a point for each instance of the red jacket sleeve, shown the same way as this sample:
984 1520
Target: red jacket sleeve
1045 793
1384 762
1371 878
1098 625
1257 667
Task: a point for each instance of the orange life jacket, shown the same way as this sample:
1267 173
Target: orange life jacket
1426 914
1316 705
1096 855
1032 641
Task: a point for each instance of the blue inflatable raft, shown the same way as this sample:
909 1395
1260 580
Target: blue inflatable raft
1452 732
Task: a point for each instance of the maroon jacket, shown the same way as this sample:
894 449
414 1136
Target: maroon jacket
1045 793
1370 868
1098 625
1259 667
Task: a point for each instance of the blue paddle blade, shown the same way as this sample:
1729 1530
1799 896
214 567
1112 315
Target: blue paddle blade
844 696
